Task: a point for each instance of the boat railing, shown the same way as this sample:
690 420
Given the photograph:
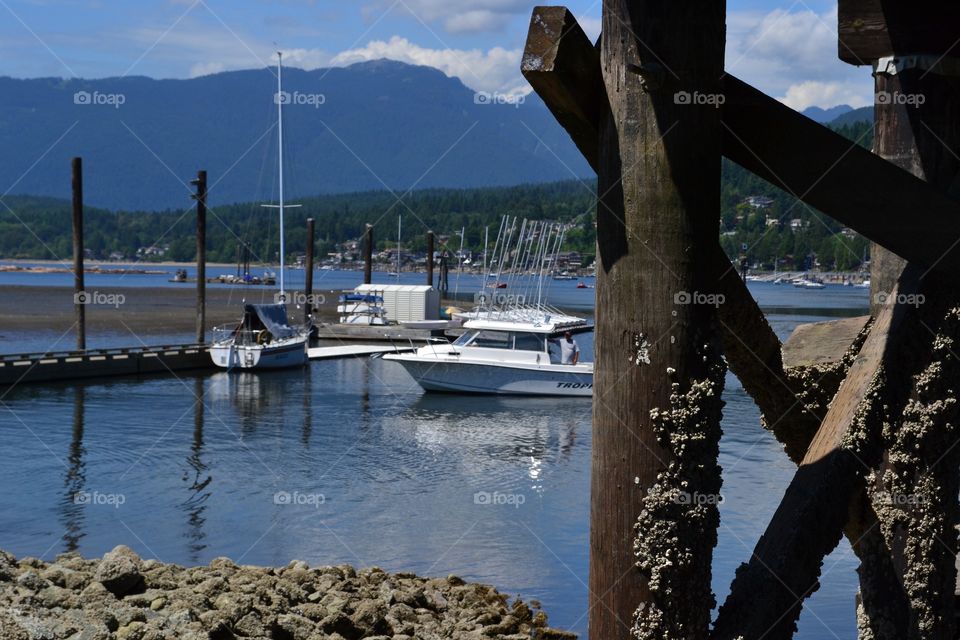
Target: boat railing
230 333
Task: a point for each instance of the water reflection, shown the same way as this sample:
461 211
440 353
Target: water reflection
75 480
196 474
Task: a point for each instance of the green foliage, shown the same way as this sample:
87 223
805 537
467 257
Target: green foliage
788 230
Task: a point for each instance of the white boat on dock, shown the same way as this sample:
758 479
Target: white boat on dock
264 339
502 356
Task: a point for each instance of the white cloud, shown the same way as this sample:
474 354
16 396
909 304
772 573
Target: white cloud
496 69
463 16
822 94
793 54
205 69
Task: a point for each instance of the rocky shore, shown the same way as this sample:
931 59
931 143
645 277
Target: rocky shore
125 598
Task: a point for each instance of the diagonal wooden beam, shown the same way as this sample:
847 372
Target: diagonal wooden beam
820 167
808 524
563 67
845 181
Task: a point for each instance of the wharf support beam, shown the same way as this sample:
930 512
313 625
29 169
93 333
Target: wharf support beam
823 169
659 369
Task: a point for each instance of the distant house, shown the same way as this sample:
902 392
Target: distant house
797 224
847 232
773 222
758 202
117 255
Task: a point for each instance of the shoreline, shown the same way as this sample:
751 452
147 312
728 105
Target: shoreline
122 597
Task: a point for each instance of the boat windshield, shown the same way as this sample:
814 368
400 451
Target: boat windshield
519 340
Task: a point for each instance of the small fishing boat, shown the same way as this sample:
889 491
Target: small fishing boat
264 338
509 346
582 285
502 354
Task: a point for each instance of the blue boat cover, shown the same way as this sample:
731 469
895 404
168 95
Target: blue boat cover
360 297
273 317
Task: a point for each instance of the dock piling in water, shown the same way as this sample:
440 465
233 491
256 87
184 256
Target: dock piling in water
76 166
368 254
430 243
308 286
201 197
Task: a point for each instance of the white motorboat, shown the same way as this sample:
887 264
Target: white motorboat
264 338
506 346
503 355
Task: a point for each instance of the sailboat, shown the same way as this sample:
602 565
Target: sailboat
264 338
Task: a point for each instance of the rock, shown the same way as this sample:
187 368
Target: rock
119 571
31 580
56 597
369 617
298 627
121 597
132 631
339 623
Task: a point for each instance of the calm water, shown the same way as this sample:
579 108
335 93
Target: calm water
352 463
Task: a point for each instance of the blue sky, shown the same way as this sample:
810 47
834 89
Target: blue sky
787 49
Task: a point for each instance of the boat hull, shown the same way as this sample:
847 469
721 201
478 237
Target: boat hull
292 353
496 379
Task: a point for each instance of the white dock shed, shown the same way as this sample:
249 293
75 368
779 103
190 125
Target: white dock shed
406 302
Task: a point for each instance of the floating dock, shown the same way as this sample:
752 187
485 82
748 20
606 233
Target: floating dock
98 363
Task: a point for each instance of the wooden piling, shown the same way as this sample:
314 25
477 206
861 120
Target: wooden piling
368 254
659 180
201 197
308 274
430 247
79 295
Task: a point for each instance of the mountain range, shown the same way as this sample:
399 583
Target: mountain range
373 125
370 126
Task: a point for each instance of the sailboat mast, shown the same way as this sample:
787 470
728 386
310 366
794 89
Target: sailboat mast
399 221
280 154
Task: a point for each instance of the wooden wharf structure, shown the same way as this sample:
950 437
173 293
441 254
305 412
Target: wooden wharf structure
867 409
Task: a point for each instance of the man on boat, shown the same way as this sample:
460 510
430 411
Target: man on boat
569 349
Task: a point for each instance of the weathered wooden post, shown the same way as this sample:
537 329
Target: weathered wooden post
917 129
201 197
430 247
659 371
368 254
444 273
79 295
308 275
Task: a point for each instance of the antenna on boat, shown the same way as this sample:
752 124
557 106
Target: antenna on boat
280 98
